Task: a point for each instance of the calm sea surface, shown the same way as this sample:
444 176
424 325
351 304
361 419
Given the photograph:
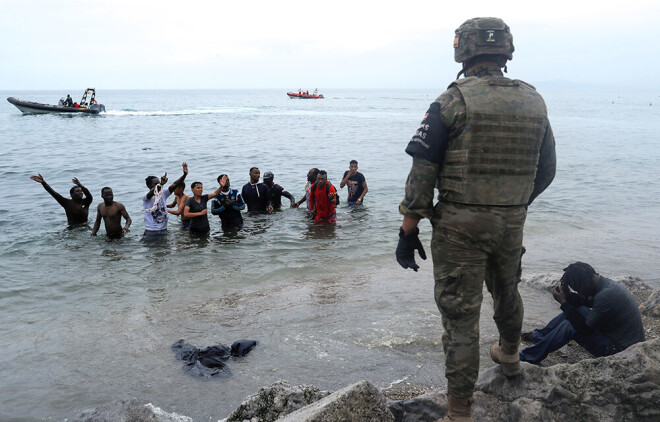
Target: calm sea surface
85 320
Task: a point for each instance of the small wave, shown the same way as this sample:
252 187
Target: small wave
393 383
543 281
129 112
163 416
393 342
13 292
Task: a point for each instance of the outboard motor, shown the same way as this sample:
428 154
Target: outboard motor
97 107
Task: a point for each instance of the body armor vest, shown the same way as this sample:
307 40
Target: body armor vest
494 160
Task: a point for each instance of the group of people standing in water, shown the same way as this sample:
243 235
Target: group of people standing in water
227 203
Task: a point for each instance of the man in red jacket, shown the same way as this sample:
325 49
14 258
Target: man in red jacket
322 199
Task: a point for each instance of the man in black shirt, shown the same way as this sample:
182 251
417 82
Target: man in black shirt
357 185
602 317
277 191
76 208
257 195
196 210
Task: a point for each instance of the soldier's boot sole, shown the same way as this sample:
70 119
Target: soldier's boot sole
510 363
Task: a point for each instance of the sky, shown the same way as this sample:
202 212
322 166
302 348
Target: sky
144 44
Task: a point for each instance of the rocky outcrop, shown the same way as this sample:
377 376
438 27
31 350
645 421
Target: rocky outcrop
651 307
634 284
273 402
622 387
549 280
542 281
130 410
358 402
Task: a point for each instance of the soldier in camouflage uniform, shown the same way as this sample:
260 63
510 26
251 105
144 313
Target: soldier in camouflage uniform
487 146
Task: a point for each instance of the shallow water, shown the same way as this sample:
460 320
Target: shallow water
85 320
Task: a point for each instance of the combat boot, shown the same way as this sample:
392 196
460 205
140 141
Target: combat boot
458 410
506 354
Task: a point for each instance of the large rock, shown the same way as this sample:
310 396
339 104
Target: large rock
623 387
549 281
428 407
634 284
273 402
651 307
358 402
130 410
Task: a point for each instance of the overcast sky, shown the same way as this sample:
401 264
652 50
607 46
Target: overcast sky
68 44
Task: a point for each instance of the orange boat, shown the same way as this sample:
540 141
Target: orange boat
302 94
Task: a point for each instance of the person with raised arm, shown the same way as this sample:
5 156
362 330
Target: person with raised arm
196 208
228 205
179 203
357 184
76 208
154 202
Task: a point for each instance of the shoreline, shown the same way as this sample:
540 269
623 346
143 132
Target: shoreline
570 353
281 398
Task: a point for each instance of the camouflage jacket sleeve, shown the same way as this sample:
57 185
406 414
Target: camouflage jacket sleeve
418 202
443 120
547 166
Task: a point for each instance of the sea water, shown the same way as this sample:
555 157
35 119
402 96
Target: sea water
85 320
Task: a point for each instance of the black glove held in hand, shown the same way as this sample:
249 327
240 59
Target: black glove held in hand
405 250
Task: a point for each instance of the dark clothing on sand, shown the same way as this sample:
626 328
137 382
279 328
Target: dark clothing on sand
210 362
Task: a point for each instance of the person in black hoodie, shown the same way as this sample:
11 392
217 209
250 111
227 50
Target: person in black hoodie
602 317
257 195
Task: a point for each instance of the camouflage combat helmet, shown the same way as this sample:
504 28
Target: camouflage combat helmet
482 36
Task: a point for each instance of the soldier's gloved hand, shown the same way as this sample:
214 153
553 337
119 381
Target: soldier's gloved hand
405 250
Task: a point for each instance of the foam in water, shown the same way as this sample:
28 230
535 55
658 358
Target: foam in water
163 416
186 112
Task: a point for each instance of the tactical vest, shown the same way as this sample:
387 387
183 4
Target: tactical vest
493 161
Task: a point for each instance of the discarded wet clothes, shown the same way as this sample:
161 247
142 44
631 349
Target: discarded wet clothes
210 362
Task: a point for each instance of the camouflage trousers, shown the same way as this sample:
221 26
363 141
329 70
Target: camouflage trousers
471 244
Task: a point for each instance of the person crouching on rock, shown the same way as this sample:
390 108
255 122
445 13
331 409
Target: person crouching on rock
602 317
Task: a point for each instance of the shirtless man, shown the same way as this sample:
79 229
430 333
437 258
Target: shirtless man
76 208
112 212
179 203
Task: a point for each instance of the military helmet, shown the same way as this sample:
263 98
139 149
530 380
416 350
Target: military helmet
482 36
